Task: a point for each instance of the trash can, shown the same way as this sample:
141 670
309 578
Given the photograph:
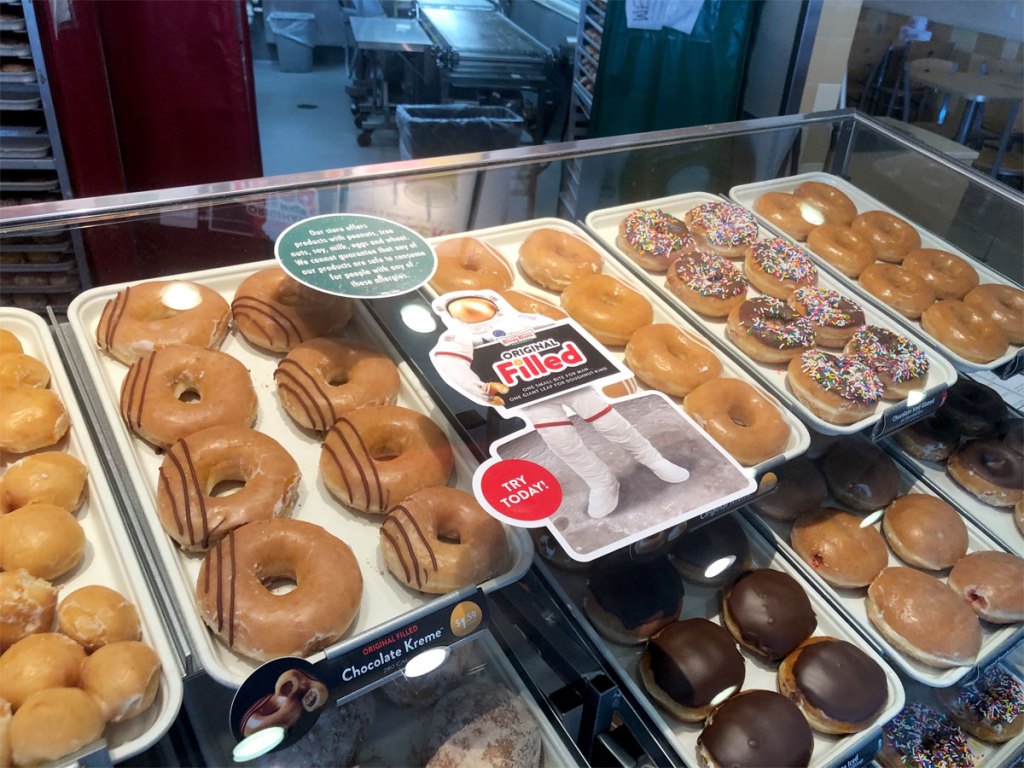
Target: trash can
293 33
432 130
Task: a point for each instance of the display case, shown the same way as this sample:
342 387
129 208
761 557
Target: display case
530 634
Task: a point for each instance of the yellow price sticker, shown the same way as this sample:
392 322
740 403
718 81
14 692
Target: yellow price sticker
466 617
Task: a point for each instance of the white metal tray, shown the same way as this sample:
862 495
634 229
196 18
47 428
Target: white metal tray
853 604
507 239
704 602
746 194
109 559
384 599
605 224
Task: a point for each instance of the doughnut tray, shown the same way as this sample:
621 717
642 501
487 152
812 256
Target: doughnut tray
705 602
507 240
852 602
108 557
746 194
384 599
605 223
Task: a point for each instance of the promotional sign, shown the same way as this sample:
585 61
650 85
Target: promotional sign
355 256
899 416
599 474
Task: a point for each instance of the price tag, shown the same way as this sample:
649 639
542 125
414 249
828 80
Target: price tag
899 416
1012 368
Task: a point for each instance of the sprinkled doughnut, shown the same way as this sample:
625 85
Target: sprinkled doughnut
465 263
990 708
964 331
607 308
920 736
670 360
653 238
553 259
834 317
707 283
739 418
945 273
899 288
1003 305
898 362
722 228
769 331
834 204
795 216
777 268
890 236
839 390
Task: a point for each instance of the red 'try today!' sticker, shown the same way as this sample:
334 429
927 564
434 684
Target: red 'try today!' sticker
521 490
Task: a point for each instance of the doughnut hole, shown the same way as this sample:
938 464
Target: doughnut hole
44 539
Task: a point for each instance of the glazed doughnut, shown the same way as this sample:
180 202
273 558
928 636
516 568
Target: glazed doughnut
992 583
722 228
777 268
153 394
707 283
275 312
835 318
607 308
838 687
898 288
755 729
925 532
924 618
237 606
9 342
964 331
321 380
834 204
51 477
54 723
5 733
920 736
839 390
989 470
767 612
27 605
841 247
532 305
860 475
37 662
123 678
1003 305
838 547
374 457
653 238
975 409
890 236
794 216
990 708
898 362
21 370
95 615
145 317
465 263
628 600
44 539
949 276
769 331
30 419
740 419
800 487
553 259
670 360
439 539
713 554
931 439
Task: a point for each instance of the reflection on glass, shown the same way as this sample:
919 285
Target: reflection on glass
810 214
724 695
873 518
719 566
181 296
418 318
258 744
915 397
426 662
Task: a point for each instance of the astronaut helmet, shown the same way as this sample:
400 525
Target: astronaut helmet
475 310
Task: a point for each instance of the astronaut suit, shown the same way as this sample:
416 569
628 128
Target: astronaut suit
475 318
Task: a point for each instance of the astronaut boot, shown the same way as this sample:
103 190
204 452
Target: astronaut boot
603 499
565 443
616 429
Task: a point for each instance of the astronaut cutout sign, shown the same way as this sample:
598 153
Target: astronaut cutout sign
549 373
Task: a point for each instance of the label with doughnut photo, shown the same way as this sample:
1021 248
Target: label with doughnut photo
599 473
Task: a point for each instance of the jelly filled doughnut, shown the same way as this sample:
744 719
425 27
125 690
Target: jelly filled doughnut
839 390
990 708
189 509
707 283
945 273
835 318
30 419
931 439
860 475
689 667
439 539
992 583
375 457
123 678
1003 305
156 394
237 606
890 236
769 331
920 736
627 600
974 408
924 618
838 687
321 380
51 477
553 259
898 362
841 247
653 238
532 305
898 288
795 216
670 360
837 207
964 331
755 729
465 263
276 312
145 317
989 470
27 605
800 487
53 723
768 612
95 615
839 547
739 418
925 532
45 540
777 268
37 662
722 228
607 307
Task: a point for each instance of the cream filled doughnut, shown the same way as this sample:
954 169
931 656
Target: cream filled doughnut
724 229
793 215
670 360
607 307
899 288
777 268
945 273
890 236
51 477
45 540
553 259
1003 305
739 418
653 238
54 723
841 247
30 419
27 605
37 662
707 283
123 677
465 263
95 615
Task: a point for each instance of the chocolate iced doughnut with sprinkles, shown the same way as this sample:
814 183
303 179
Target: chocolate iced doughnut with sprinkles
769 331
722 228
990 708
839 390
653 238
899 363
835 318
707 283
989 470
778 268
920 737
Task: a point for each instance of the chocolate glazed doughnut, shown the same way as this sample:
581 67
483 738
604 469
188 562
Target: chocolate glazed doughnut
755 729
976 409
990 470
860 475
768 612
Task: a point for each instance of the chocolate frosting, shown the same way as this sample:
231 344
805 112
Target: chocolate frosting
994 462
800 488
758 728
861 475
694 661
636 592
841 680
977 409
712 542
771 610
